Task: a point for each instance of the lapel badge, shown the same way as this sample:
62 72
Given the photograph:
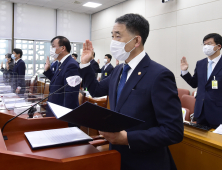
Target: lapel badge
139 73
59 69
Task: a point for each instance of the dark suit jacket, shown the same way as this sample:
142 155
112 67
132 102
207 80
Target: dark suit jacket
54 66
19 76
95 67
210 98
7 74
67 97
107 71
151 96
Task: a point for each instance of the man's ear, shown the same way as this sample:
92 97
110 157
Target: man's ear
138 41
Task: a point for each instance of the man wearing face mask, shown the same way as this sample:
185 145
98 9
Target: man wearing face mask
68 97
18 82
140 88
9 62
107 68
208 79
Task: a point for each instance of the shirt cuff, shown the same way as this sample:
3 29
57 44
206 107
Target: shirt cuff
184 72
19 87
83 65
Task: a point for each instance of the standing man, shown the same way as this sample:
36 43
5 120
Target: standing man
67 97
107 68
18 82
95 65
208 79
7 71
140 88
75 56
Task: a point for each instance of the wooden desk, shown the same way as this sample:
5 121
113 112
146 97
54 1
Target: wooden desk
16 153
199 150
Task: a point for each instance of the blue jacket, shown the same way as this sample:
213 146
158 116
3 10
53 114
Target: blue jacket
67 97
54 66
150 96
107 71
206 96
18 74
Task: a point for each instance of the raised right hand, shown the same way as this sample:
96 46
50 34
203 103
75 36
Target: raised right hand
184 65
47 64
87 53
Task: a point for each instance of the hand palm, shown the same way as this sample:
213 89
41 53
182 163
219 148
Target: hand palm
87 52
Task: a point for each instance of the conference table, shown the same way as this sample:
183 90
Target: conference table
16 153
199 150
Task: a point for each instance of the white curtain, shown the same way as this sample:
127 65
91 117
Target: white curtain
34 23
5 20
74 26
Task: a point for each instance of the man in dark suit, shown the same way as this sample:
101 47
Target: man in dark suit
140 88
107 68
95 65
208 71
67 97
75 56
18 73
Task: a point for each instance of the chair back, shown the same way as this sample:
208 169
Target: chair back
181 92
188 102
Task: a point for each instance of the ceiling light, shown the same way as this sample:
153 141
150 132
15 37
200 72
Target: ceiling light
92 4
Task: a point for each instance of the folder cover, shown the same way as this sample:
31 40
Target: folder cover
95 117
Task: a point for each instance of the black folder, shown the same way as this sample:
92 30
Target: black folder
95 117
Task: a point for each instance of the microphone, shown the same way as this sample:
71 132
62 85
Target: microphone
71 81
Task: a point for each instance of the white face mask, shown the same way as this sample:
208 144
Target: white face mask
13 56
105 61
118 50
209 50
53 53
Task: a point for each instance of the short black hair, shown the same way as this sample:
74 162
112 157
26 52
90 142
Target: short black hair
18 51
75 55
217 38
135 24
63 41
109 56
8 55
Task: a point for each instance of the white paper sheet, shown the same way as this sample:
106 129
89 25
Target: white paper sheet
218 130
56 136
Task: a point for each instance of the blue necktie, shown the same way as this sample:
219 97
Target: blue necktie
122 81
57 65
209 71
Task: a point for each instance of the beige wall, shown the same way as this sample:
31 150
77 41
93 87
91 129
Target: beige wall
176 30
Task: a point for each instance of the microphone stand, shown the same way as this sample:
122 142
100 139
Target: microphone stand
31 109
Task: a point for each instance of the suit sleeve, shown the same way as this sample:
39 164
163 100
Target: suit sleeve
95 88
96 67
71 93
49 74
191 80
21 74
168 113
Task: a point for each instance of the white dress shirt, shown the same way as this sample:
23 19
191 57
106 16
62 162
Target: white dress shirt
215 61
63 59
106 65
17 61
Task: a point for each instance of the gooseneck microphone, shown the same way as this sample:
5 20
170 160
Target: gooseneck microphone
31 109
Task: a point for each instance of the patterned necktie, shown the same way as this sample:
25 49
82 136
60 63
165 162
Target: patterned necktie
209 71
122 81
